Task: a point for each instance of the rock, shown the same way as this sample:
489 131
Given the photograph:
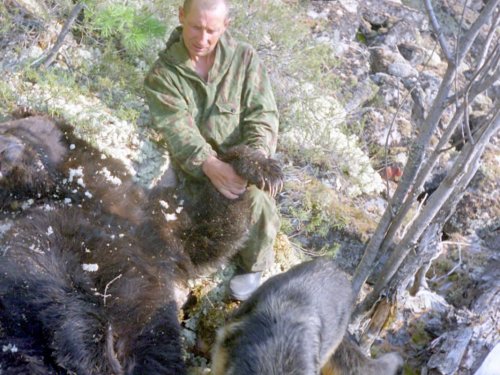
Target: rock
402 70
404 31
343 16
380 59
429 82
375 206
385 60
362 93
486 325
390 23
491 365
314 14
451 348
412 52
349 5
36 9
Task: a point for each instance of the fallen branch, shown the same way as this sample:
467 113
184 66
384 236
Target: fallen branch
49 58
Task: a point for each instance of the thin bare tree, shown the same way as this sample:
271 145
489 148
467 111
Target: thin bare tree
406 254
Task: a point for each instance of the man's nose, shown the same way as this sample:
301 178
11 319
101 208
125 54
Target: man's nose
204 37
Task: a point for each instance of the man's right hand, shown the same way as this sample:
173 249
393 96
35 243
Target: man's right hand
224 178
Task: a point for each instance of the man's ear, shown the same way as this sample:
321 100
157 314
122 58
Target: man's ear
181 15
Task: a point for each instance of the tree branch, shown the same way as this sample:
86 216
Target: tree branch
439 32
415 159
461 173
475 89
470 36
49 58
477 85
489 38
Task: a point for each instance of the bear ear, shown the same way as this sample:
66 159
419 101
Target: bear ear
10 150
11 153
224 342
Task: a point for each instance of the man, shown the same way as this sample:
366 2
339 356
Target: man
207 93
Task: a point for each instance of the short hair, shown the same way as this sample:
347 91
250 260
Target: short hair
205 4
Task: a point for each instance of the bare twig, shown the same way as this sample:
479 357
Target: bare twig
452 271
439 32
466 119
477 85
106 295
419 209
466 96
492 33
470 36
473 132
49 58
431 160
386 146
457 64
462 171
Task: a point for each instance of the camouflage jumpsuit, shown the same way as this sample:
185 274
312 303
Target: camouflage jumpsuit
197 119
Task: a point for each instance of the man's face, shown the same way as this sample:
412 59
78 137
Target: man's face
202 28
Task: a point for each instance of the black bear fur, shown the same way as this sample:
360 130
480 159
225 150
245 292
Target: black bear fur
121 318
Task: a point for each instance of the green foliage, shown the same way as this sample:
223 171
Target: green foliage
55 80
314 213
315 64
275 26
329 250
7 98
5 26
408 370
419 336
133 28
117 82
360 37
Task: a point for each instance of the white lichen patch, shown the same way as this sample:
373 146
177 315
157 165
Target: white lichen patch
27 204
90 267
36 249
4 227
321 133
109 177
39 165
50 231
163 204
88 194
9 348
76 174
170 217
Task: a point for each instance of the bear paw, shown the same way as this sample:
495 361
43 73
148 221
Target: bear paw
254 166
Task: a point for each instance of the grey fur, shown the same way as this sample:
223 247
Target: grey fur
290 326
350 360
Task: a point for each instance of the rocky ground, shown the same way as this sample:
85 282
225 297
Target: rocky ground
334 198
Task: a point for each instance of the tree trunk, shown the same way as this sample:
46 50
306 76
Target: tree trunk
422 159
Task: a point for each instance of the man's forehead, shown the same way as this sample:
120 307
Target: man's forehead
210 18
206 5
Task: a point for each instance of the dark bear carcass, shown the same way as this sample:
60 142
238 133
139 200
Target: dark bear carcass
89 273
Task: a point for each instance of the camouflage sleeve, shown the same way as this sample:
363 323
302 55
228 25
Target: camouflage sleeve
260 113
172 119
